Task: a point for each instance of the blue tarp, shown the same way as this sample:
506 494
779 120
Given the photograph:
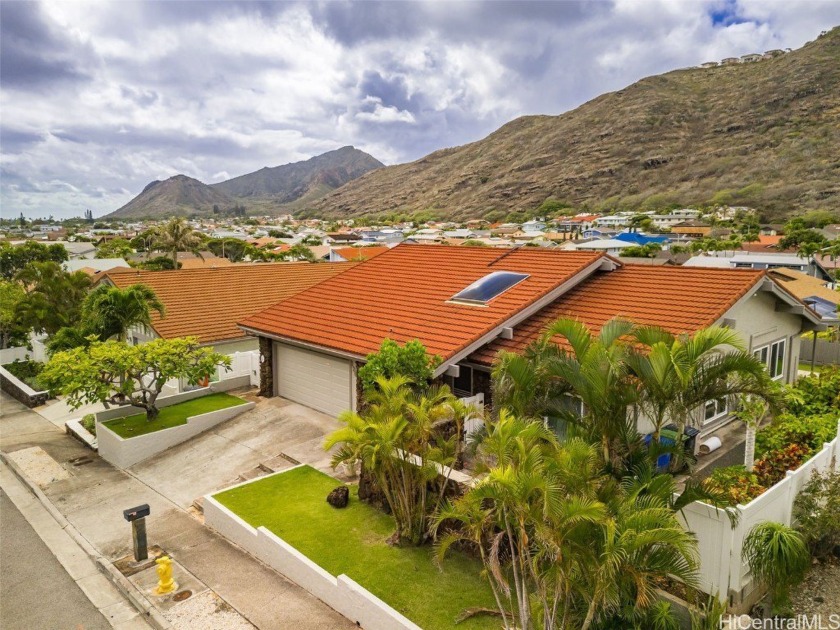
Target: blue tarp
640 239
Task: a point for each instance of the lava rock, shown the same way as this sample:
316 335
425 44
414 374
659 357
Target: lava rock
339 497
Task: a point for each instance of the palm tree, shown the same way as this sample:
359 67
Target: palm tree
594 370
177 236
397 441
678 374
778 558
110 312
565 546
53 297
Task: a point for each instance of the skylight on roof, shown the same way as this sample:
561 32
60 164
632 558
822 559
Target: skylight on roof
490 286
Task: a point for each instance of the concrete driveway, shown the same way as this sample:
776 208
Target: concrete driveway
272 436
94 494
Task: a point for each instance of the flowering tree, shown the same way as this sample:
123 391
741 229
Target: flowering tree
116 373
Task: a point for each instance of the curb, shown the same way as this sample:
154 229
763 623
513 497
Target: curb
148 612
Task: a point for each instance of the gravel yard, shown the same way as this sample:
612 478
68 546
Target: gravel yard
820 592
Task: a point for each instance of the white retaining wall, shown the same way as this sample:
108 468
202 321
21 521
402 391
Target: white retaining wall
125 452
18 353
721 569
340 593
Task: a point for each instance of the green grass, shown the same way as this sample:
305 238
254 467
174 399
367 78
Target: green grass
132 426
806 367
352 541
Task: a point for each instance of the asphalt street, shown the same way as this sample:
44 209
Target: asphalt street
36 593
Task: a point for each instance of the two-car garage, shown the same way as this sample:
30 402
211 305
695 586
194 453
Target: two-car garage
321 381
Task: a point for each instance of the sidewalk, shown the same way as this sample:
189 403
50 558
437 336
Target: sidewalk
48 580
92 499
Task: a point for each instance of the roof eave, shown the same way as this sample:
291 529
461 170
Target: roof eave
302 344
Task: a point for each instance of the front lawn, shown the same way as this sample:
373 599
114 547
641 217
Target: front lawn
352 541
172 416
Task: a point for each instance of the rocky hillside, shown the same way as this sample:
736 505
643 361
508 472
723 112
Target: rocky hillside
291 182
178 195
765 134
269 190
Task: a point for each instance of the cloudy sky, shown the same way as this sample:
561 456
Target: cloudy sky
98 99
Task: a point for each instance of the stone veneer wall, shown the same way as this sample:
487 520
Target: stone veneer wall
266 367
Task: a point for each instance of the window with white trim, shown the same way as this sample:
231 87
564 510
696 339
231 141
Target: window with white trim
714 410
773 357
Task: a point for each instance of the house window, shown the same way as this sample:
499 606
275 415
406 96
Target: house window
773 357
714 410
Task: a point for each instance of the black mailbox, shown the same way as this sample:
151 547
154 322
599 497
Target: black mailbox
141 511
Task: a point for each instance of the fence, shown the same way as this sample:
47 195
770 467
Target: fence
22 353
474 424
824 352
722 570
242 365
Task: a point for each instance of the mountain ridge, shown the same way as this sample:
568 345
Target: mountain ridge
270 190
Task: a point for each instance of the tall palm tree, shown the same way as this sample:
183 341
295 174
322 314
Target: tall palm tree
177 236
110 312
678 374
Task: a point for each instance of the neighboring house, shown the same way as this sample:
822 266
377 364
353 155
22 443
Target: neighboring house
814 292
749 260
93 266
466 304
534 225
608 246
207 302
613 221
694 229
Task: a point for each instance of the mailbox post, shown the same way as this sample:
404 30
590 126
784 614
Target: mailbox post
137 517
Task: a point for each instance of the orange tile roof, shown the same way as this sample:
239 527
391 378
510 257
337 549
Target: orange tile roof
360 253
209 261
680 299
403 295
207 302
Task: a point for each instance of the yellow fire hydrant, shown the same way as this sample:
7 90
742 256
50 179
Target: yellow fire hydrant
165 582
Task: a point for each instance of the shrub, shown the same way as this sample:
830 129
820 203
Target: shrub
771 468
737 483
812 431
817 512
27 371
89 423
392 359
816 394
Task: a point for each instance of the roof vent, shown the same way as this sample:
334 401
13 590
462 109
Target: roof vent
490 286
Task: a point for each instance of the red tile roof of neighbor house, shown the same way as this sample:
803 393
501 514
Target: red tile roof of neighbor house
405 293
207 302
360 253
680 299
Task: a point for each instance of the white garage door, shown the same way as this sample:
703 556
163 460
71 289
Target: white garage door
310 378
